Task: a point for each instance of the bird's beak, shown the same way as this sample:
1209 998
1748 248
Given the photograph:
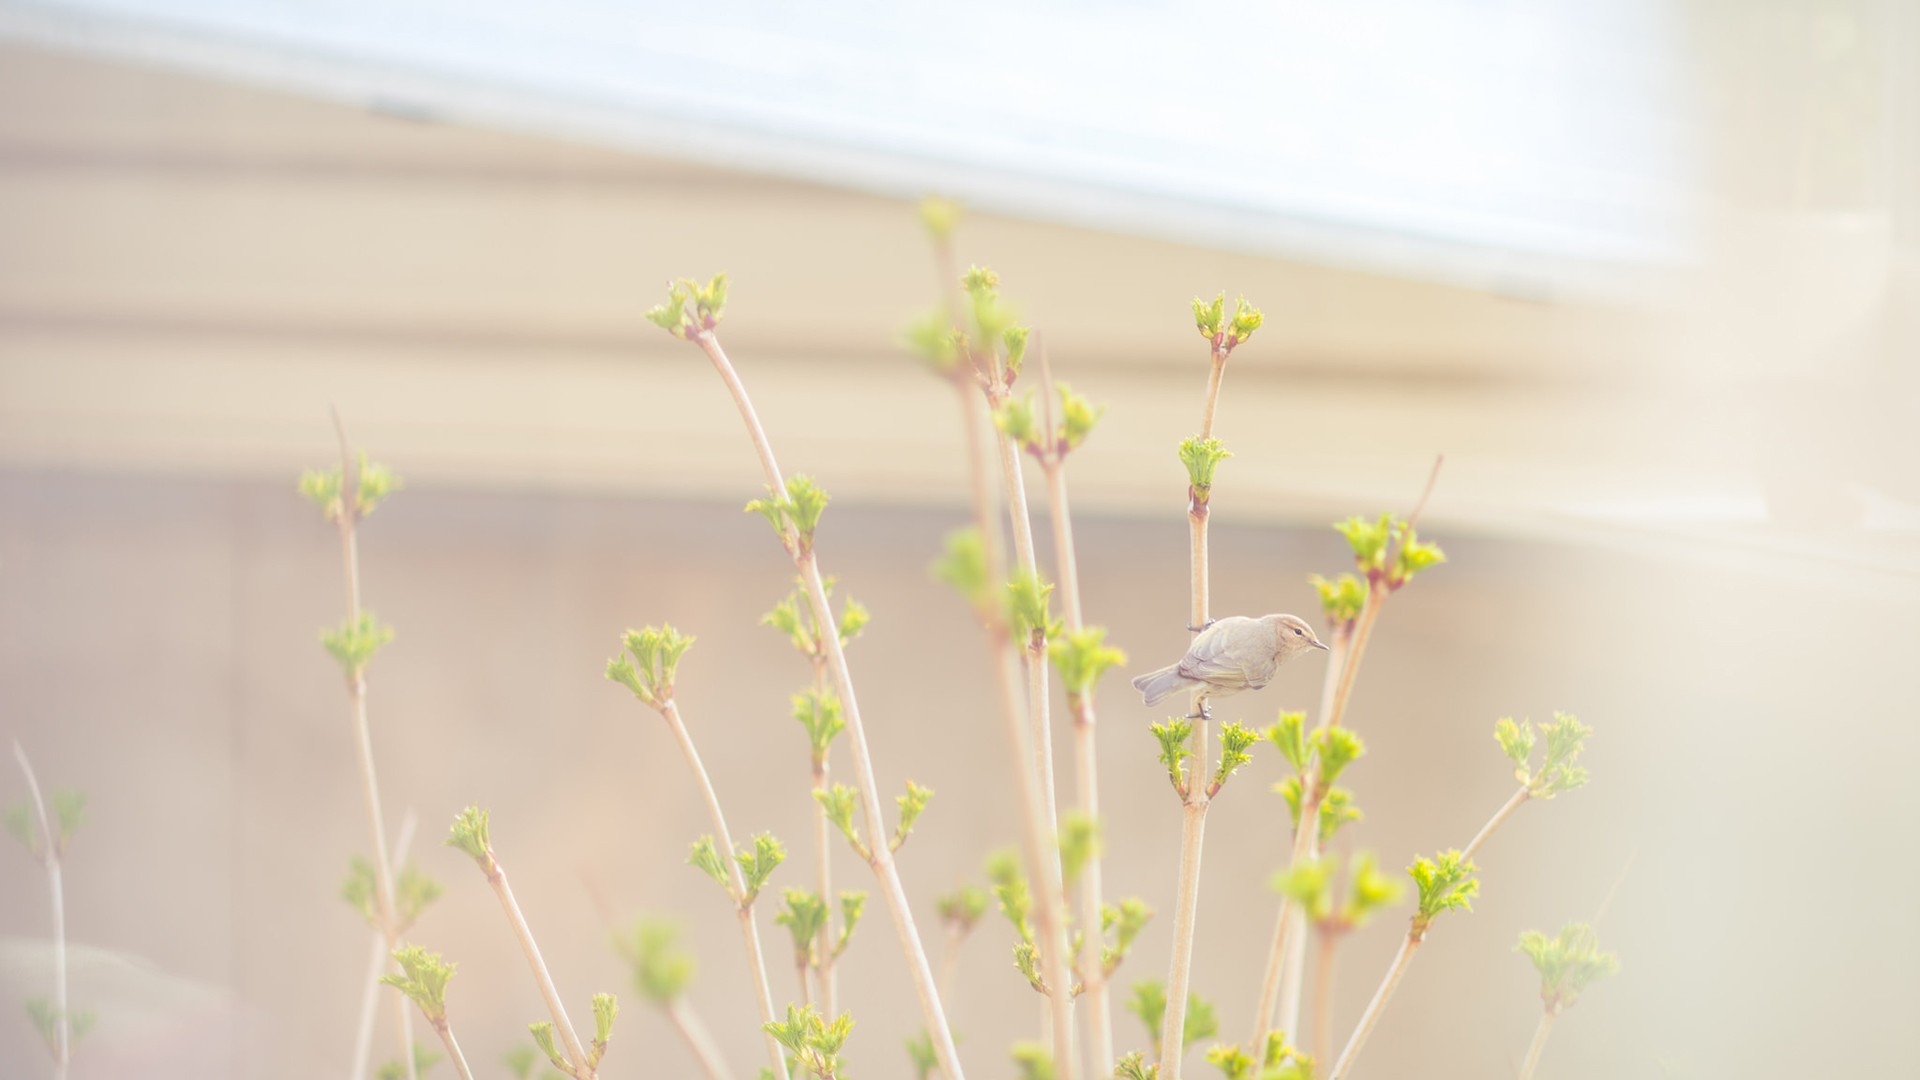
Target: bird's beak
1318 644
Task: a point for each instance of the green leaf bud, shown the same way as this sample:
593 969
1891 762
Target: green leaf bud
1082 656
838 802
819 713
704 856
759 862
1341 599
469 834
853 904
1202 457
1029 608
1568 963
1078 416
962 908
671 315
1446 883
1334 749
353 644
964 566
1208 317
424 981
655 653
542 1031
939 216
1235 738
1014 338
1172 736
1246 319
1290 735
1018 419
1079 844
662 970
912 805
606 1008
933 339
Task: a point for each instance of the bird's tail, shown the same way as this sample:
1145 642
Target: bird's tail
1156 685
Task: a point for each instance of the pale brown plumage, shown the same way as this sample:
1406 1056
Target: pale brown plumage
1233 654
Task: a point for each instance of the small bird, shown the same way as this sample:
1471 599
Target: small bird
1232 654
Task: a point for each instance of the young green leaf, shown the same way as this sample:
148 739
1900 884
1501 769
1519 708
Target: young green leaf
1082 656
707 858
838 802
1446 883
819 713
424 981
1079 844
1246 319
803 913
1032 1061
962 908
920 1053
1341 598
662 970
1335 748
542 1031
1202 457
964 566
606 1008
1172 736
1078 416
469 834
353 643
651 662
912 805
757 864
1209 317
1235 738
1289 733
853 904
1568 963
1029 608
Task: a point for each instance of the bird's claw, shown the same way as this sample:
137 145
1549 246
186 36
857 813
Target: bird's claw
1196 629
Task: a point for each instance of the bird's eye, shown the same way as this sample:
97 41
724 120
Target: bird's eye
1297 632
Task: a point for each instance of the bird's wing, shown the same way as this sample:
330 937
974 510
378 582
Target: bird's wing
1211 658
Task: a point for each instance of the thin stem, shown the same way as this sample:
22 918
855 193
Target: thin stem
1193 827
1099 1013
363 735
1289 930
749 930
445 1031
497 877
50 858
950 960
882 859
1013 480
1038 845
1218 372
1194 799
688 1024
1368 1019
1506 810
377 962
1323 993
824 942
1539 1043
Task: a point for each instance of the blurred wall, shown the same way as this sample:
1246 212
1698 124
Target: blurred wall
160 654
1692 524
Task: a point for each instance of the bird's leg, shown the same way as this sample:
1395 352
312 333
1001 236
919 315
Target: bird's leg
1205 712
1202 626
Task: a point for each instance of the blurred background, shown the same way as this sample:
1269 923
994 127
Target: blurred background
1647 273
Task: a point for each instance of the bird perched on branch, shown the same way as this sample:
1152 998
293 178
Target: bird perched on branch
1232 654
